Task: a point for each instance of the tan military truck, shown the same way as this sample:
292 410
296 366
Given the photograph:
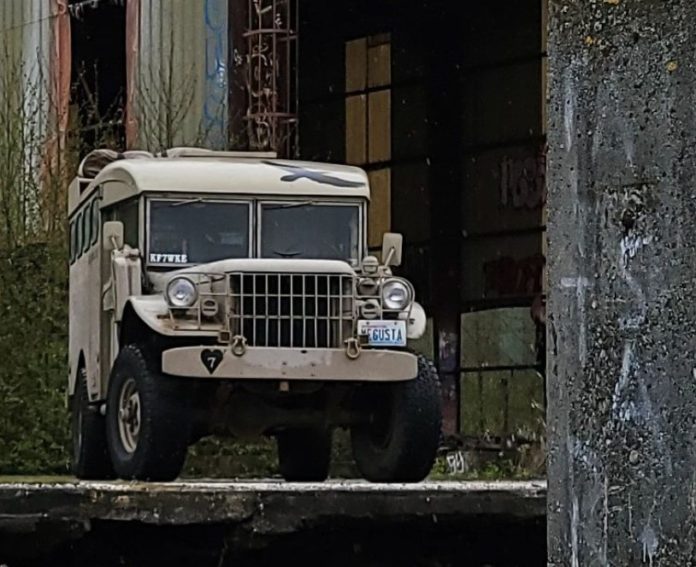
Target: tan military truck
232 293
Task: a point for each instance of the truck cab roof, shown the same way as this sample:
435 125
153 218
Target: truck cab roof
217 173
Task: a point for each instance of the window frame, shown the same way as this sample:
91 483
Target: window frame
214 199
359 203
79 234
95 219
86 229
73 241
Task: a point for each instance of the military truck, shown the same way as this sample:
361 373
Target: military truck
233 294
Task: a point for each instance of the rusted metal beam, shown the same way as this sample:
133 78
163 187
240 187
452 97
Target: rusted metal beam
271 75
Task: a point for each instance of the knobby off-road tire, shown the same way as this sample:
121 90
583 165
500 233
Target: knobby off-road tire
399 442
90 454
304 455
148 419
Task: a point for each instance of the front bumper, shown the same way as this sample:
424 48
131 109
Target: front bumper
268 363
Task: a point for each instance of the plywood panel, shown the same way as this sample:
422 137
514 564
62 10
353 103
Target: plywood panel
356 129
498 337
379 65
505 189
379 129
356 65
505 267
502 403
379 217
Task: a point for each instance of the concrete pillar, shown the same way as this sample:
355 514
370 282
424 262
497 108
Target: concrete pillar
622 264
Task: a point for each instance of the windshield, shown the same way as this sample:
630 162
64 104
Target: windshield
195 232
309 230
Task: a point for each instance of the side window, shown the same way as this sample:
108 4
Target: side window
73 241
79 232
86 229
128 214
95 221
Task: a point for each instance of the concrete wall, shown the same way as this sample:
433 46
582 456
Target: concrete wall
622 393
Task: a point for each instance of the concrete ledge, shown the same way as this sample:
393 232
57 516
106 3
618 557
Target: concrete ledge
272 507
42 521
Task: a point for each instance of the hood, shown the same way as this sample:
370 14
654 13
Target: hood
259 265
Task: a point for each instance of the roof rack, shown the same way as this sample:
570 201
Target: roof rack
202 152
96 160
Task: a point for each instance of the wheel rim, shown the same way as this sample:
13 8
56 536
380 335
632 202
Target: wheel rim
129 415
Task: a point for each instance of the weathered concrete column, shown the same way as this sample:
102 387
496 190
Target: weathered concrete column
622 261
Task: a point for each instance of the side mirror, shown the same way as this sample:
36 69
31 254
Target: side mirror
112 235
392 248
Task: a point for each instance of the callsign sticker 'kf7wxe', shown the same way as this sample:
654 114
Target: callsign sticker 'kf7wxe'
168 258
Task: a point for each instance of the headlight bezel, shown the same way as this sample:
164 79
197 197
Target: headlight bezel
181 304
391 305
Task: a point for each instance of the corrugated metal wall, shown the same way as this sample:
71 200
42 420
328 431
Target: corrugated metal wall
25 45
178 87
35 68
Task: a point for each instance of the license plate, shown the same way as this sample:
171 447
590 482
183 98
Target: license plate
383 333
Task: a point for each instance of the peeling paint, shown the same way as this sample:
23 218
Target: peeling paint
649 542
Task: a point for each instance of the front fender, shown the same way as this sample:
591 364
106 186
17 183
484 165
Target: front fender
417 321
154 312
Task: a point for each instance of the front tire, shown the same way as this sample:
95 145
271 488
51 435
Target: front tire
304 455
90 458
148 419
398 442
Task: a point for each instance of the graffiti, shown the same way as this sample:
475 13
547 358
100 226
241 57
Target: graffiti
215 106
523 182
456 463
506 276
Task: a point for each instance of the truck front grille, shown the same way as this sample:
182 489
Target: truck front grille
292 310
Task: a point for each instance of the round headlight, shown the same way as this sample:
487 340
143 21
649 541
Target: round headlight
181 292
396 295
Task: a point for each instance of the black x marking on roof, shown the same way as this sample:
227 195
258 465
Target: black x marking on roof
297 172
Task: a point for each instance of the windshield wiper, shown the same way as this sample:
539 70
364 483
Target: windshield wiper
275 207
286 254
187 202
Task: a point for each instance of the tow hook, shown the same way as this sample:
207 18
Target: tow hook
238 345
352 349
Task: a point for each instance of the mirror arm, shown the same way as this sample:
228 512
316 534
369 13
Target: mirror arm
389 257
